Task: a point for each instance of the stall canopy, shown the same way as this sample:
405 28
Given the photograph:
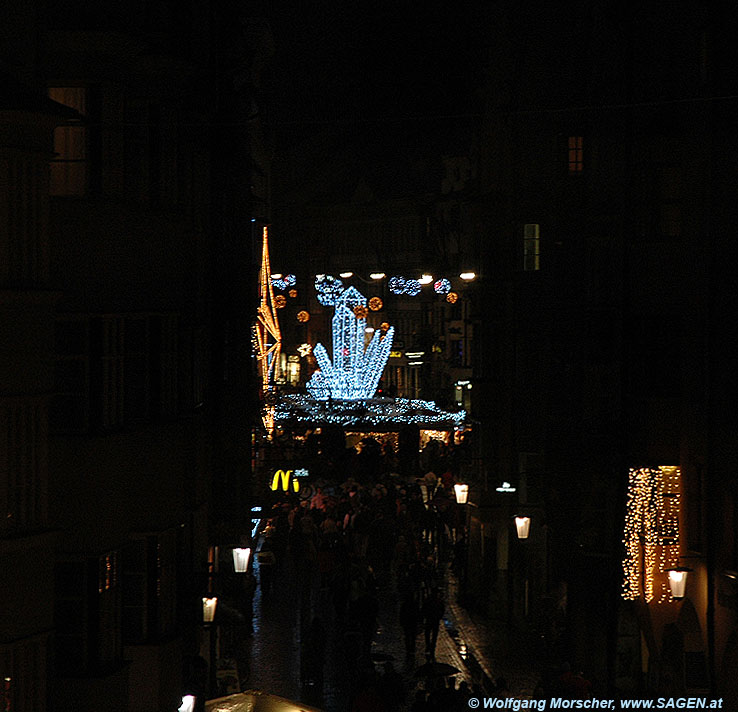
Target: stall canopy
256 701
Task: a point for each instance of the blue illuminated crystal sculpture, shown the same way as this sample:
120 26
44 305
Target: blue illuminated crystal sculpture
355 371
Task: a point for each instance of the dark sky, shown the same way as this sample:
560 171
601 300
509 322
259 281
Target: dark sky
367 61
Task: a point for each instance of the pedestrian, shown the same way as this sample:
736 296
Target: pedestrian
409 615
392 687
432 612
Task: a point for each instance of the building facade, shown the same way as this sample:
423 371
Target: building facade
121 131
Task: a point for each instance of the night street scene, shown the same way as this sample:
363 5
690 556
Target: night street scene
368 357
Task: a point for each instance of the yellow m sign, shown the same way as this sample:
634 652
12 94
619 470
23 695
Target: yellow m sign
286 477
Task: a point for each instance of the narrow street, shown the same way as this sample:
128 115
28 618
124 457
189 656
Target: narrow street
274 659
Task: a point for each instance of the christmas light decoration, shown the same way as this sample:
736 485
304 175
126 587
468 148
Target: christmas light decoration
384 326
375 303
268 336
279 283
412 287
354 372
303 316
651 533
329 289
373 412
452 297
396 285
442 286
305 349
280 301
292 293
290 280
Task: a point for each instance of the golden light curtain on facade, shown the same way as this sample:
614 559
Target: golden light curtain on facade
651 535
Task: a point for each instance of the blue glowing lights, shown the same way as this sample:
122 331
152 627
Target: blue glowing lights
329 288
355 371
442 286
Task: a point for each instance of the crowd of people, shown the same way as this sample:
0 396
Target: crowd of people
353 541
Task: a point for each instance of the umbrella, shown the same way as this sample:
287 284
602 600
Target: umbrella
436 670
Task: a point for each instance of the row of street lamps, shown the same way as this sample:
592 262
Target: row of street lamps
677 575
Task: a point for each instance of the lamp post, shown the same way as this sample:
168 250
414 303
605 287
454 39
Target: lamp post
209 605
678 581
461 491
241 557
522 526
522 529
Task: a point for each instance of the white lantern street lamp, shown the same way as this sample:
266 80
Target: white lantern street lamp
678 581
241 558
468 276
522 526
188 704
208 609
462 493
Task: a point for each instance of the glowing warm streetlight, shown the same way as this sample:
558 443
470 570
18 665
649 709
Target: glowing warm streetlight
241 560
426 279
377 275
462 493
345 275
188 704
208 609
522 526
468 276
678 581
276 275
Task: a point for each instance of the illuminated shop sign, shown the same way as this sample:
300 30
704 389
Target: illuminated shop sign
288 480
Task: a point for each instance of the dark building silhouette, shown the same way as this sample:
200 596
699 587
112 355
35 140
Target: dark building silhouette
588 182
132 177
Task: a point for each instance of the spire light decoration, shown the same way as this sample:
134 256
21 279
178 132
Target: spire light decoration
267 332
354 372
651 535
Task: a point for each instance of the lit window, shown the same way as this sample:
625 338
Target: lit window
69 167
576 154
531 248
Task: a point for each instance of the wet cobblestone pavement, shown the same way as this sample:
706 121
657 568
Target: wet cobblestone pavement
269 659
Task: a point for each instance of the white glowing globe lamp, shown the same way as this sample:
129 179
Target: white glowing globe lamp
188 704
241 560
208 609
462 493
678 582
522 527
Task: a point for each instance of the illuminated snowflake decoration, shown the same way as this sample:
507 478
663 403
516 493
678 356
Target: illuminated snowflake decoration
290 280
400 285
396 285
279 284
329 288
354 372
442 286
412 287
